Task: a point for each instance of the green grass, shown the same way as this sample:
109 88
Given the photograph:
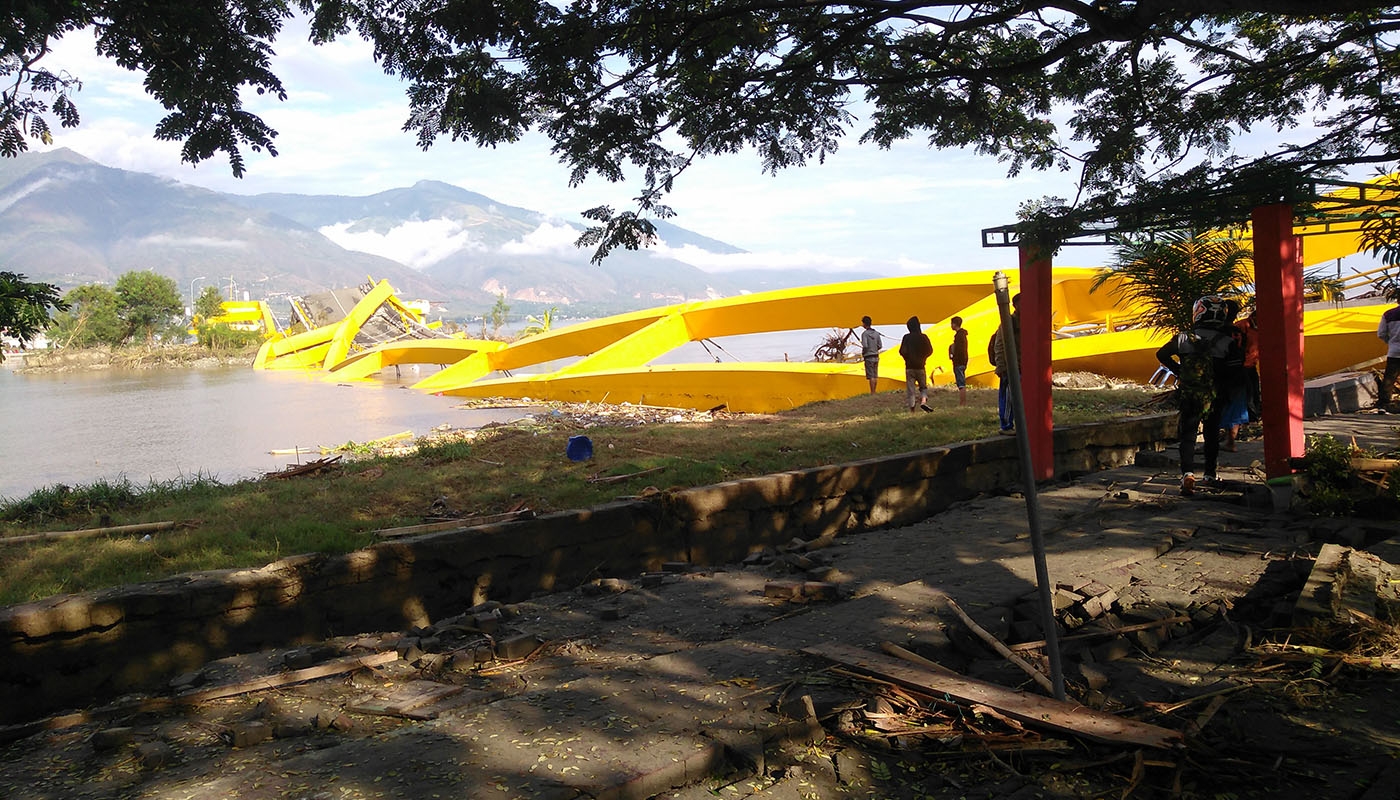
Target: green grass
252 523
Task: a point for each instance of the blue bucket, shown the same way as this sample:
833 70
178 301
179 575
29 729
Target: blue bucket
580 448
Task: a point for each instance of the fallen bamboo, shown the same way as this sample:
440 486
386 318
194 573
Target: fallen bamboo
997 645
899 652
116 530
449 525
1141 626
621 478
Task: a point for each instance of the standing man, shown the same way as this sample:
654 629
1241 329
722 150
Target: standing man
957 353
915 348
870 351
1207 361
996 353
1389 332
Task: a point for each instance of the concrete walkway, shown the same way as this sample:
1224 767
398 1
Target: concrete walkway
653 685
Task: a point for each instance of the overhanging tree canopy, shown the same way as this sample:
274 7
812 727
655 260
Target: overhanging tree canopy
1142 99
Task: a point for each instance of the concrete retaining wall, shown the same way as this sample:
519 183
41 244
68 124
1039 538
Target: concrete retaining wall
61 652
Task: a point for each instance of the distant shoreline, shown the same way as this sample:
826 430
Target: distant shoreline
82 359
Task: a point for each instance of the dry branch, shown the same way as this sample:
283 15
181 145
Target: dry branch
996 644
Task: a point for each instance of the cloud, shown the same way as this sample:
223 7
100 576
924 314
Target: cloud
10 199
418 244
166 240
548 239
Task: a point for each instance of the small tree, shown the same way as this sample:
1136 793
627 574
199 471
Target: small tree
498 315
1165 276
25 307
92 318
209 304
148 302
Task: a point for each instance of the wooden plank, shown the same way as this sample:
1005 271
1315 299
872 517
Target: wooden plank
408 699
116 530
282 679
1033 710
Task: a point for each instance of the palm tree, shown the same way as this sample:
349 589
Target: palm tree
1164 276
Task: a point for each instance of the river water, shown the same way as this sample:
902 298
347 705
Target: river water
79 427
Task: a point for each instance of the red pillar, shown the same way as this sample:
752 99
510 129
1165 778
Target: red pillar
1035 357
1278 287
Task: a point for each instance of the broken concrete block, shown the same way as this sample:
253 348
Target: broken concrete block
517 646
1092 608
783 590
676 566
247 734
1094 677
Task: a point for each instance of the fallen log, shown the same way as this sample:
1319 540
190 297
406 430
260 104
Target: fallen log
1031 709
284 678
303 469
114 530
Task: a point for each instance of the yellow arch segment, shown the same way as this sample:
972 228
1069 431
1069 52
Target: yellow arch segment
409 351
755 388
347 328
637 348
568 342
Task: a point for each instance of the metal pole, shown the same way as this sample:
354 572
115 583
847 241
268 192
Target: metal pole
192 283
1042 572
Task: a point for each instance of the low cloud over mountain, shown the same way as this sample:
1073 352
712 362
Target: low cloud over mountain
68 220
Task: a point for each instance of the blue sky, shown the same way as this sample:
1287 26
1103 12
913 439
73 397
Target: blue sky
906 210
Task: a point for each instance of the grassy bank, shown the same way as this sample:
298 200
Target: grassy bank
463 473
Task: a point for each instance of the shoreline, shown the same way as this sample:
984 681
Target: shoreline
182 356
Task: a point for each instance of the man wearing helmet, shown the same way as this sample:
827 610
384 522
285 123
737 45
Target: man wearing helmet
1207 362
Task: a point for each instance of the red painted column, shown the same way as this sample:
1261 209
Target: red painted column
1035 356
1278 286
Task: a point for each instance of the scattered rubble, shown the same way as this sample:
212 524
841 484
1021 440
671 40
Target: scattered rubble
1177 659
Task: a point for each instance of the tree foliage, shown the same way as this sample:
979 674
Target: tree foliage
209 304
25 307
93 318
148 302
1143 100
1167 274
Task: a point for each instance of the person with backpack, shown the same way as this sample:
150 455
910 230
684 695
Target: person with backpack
1208 364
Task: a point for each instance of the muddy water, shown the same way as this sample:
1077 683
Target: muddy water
78 427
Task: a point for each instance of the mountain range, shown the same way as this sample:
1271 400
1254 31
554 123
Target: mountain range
67 220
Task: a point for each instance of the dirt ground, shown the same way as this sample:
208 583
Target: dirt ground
1177 613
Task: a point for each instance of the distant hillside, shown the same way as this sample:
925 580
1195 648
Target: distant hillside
67 220
70 221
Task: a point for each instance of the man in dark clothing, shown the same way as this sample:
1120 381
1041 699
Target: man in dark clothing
1207 362
915 348
996 353
957 353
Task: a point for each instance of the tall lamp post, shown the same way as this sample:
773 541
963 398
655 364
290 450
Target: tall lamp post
192 283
